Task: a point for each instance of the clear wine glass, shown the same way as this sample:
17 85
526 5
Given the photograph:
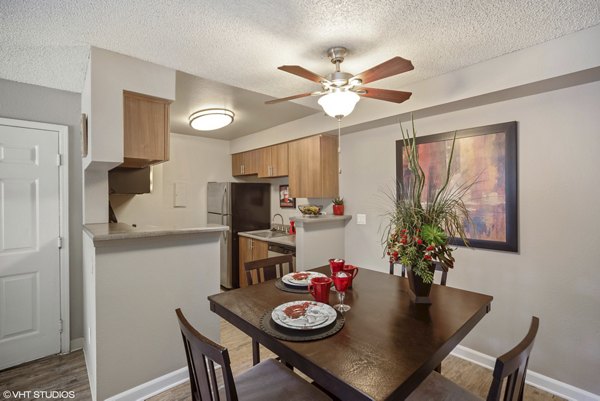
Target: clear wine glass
341 281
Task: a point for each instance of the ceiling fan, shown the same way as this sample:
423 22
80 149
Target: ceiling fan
341 90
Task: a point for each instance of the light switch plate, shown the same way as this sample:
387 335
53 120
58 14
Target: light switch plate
361 219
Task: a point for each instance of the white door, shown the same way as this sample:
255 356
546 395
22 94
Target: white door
29 253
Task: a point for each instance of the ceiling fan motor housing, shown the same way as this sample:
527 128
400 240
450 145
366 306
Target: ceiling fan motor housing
339 78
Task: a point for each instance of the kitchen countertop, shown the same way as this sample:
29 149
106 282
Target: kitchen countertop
286 240
118 231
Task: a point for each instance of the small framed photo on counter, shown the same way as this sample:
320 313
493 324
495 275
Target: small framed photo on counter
284 197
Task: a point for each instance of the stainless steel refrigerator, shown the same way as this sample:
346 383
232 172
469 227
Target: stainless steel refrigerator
242 207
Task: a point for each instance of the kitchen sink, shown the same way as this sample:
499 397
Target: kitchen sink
269 234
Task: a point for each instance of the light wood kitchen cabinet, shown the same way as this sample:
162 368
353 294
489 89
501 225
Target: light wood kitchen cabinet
313 167
145 130
245 163
250 249
273 161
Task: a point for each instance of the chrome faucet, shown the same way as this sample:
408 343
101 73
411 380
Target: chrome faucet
281 228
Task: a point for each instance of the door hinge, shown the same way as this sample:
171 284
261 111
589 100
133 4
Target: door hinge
60 242
59 159
60 325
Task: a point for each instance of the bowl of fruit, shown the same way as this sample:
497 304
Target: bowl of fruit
310 210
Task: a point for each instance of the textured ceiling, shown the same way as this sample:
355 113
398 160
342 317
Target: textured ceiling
251 112
242 42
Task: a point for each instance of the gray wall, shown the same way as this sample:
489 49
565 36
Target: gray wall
555 275
36 103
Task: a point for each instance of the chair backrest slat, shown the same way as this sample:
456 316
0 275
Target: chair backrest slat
511 368
259 271
202 354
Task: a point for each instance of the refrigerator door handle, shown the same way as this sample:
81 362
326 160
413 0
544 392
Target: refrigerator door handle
223 201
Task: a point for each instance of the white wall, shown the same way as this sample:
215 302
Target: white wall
555 275
194 161
36 103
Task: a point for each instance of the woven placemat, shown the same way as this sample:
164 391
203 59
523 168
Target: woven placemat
270 327
281 285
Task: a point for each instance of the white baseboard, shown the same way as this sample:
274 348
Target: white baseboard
540 381
153 387
76 344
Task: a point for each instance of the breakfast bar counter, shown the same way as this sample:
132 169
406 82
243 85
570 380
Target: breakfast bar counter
134 279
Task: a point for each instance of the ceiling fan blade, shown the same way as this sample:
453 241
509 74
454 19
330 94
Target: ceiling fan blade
394 66
283 99
385 94
303 72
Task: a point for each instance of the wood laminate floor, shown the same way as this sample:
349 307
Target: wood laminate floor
68 373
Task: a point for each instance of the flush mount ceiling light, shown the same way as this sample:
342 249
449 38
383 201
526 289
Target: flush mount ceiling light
211 119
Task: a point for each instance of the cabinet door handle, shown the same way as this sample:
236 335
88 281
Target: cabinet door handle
242 169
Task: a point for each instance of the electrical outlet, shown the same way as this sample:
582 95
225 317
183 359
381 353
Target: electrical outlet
361 219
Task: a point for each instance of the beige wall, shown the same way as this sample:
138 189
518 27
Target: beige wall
194 161
555 275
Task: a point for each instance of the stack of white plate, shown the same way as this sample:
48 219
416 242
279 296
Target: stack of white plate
295 279
317 315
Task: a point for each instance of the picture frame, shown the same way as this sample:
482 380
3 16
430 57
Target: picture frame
284 200
488 156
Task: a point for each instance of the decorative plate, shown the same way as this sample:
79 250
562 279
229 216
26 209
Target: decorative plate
304 315
300 279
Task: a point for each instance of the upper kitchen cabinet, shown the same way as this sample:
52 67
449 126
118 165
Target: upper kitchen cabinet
313 167
245 163
146 130
273 161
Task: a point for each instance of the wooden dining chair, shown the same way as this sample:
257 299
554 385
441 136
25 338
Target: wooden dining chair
510 369
261 270
267 381
438 267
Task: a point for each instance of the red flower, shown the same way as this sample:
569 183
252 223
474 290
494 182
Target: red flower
395 254
404 230
430 248
419 241
427 257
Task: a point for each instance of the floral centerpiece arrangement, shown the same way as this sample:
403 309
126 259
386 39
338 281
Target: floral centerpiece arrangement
419 230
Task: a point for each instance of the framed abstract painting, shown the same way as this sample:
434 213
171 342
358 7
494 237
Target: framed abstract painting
484 155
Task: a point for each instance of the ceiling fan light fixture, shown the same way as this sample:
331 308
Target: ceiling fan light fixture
339 104
211 119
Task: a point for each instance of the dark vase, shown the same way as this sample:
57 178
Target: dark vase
338 210
419 289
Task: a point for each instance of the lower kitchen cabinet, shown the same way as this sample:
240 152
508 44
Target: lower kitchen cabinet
250 249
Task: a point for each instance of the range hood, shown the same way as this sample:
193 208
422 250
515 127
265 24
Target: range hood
130 181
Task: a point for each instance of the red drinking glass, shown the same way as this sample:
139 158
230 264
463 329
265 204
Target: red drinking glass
352 271
319 288
336 265
341 281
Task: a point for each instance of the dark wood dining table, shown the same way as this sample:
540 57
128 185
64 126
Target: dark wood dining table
388 344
